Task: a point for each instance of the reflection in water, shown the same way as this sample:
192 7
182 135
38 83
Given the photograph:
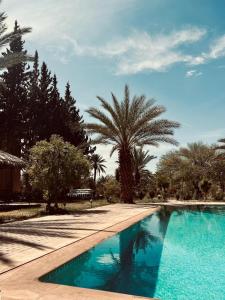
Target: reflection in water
169 255
122 263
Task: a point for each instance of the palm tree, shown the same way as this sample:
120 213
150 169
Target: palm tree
98 165
5 38
140 159
126 124
198 154
191 170
173 171
221 147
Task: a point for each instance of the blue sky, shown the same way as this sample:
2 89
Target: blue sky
171 50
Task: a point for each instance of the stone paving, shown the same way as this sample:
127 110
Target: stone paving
23 241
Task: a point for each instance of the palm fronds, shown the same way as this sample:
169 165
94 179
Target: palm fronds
98 163
10 59
221 149
131 122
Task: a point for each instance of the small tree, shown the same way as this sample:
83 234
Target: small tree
98 166
111 188
54 167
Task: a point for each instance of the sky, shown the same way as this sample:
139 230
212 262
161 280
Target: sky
169 50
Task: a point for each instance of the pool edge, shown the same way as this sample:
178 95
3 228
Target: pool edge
30 287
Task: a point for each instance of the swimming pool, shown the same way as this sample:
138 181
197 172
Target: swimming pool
173 254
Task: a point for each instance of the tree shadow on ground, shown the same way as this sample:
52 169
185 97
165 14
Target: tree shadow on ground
89 212
29 233
25 234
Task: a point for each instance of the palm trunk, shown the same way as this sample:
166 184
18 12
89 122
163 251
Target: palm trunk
95 175
126 176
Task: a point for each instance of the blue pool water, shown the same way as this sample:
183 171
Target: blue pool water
170 255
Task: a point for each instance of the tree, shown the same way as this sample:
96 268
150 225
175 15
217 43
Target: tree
52 114
97 165
173 173
43 114
54 167
199 158
55 110
73 127
205 186
217 173
221 148
13 98
191 170
33 107
142 176
111 188
126 124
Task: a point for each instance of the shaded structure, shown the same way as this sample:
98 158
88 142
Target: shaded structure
10 177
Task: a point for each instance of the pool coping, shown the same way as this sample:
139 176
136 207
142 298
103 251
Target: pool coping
22 282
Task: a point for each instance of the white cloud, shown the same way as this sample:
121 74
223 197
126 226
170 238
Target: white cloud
193 73
217 49
52 19
198 60
190 73
142 51
76 27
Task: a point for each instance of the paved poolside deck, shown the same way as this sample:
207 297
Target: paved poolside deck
173 202
30 248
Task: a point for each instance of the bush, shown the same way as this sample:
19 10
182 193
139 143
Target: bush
219 196
111 188
54 167
217 193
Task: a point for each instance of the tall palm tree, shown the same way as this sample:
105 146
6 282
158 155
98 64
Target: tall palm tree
98 165
126 124
5 38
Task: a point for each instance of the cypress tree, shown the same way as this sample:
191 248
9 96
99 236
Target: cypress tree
43 114
13 99
73 129
55 111
32 134
31 108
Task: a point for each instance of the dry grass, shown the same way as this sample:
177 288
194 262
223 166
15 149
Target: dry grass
20 214
27 213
